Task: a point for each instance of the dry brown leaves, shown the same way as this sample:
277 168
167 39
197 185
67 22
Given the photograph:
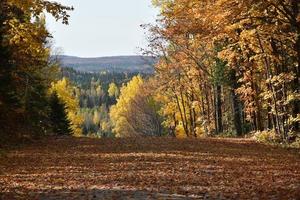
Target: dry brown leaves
149 168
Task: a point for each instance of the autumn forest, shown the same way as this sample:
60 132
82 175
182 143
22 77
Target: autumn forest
221 105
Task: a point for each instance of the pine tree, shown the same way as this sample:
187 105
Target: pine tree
60 121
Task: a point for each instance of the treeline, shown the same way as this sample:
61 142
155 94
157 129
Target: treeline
26 70
228 66
83 79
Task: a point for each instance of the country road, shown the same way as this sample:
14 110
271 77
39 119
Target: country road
149 168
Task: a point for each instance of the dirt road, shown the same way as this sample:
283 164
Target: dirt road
149 168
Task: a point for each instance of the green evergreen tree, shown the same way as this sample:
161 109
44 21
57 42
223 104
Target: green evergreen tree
60 122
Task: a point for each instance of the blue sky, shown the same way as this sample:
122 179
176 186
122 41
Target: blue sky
103 27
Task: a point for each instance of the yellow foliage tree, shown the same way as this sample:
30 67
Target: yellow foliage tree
113 90
118 112
65 92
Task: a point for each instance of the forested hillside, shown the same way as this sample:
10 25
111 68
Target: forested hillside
131 64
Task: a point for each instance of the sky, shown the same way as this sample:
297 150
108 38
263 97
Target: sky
102 27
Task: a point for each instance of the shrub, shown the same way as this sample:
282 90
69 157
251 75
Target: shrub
269 136
296 144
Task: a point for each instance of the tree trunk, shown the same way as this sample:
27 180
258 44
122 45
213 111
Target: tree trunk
181 116
185 114
259 119
218 104
237 117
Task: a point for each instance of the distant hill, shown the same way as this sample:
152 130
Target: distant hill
140 64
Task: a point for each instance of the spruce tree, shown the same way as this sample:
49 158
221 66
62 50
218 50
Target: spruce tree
60 121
